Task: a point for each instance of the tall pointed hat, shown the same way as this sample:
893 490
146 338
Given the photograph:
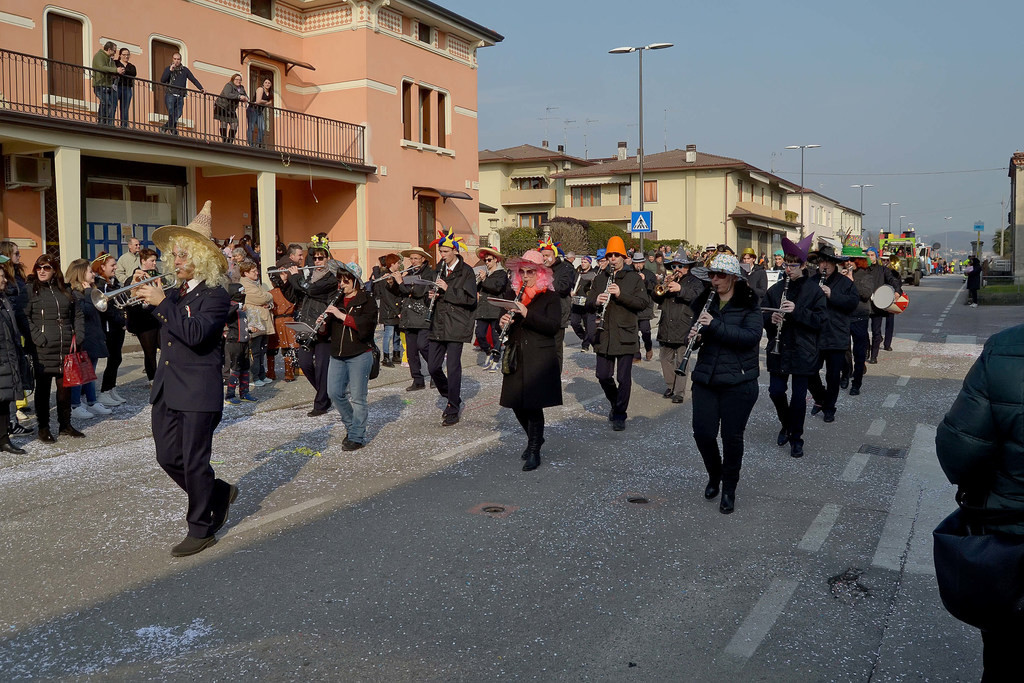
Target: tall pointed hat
798 249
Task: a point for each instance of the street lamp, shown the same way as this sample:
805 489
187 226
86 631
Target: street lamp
890 205
946 236
640 51
862 186
901 224
802 148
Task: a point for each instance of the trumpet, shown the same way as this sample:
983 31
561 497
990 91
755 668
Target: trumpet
661 289
272 271
101 300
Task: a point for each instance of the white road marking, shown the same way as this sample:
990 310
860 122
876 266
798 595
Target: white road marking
914 362
890 401
761 619
820 528
902 381
877 427
936 331
256 522
923 497
482 441
971 339
855 467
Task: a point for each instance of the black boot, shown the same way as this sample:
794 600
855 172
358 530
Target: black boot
7 447
535 434
711 490
45 436
728 502
781 408
385 361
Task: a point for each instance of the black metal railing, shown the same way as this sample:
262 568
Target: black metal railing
69 92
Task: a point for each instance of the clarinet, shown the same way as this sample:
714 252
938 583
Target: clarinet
498 352
604 307
442 269
692 344
777 346
306 342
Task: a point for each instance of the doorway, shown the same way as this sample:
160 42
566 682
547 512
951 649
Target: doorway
257 75
161 59
427 221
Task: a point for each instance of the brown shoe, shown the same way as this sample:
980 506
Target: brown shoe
289 370
192 545
271 370
71 431
650 354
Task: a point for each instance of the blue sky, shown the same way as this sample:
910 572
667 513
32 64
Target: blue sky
885 87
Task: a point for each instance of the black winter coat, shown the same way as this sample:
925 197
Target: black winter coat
980 443
313 297
757 280
974 277
95 341
841 302
413 300
728 346
453 312
584 281
677 311
113 317
867 281
53 319
799 349
17 295
536 383
650 281
14 377
564 276
390 308
619 336
493 285
347 342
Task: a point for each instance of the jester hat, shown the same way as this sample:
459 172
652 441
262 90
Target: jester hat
447 238
798 249
550 246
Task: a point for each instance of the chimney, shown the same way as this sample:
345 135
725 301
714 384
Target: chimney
622 150
544 144
561 148
691 154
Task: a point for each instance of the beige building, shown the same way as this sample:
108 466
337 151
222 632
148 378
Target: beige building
825 216
516 189
699 197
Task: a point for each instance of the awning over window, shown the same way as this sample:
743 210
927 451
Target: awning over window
444 194
486 208
533 172
288 62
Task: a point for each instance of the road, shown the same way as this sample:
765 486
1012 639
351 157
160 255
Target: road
384 563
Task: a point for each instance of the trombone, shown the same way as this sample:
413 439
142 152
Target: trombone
101 300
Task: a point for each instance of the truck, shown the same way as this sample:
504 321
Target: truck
904 255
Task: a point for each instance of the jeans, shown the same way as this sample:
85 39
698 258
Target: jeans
792 412
106 98
88 387
255 129
124 101
175 104
725 409
347 384
392 342
618 396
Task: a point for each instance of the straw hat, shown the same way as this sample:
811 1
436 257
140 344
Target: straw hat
487 251
417 250
199 233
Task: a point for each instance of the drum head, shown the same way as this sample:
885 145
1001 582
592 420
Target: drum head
883 297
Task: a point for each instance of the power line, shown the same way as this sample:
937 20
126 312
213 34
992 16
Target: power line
972 170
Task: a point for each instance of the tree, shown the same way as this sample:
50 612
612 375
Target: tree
516 241
571 233
997 242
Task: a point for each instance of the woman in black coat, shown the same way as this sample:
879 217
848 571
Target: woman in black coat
532 377
725 376
973 281
15 375
53 319
112 320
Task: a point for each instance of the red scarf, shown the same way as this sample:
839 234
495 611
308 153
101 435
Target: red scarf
529 293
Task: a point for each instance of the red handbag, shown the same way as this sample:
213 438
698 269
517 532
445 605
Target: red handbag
78 368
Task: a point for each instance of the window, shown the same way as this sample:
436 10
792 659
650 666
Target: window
587 195
532 220
64 44
442 119
744 239
423 33
425 116
407 110
650 190
529 183
626 194
762 196
262 8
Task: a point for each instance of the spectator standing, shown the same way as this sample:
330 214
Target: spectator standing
124 83
176 77
259 319
284 339
257 117
112 320
129 262
15 377
17 295
973 271
225 107
236 348
80 278
140 320
104 69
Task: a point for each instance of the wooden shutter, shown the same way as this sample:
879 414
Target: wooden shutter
64 44
161 59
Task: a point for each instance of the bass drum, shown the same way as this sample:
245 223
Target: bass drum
883 297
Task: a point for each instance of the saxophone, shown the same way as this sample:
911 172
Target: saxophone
777 346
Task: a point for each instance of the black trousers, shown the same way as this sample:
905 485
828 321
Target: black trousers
450 385
115 341
583 325
5 419
314 366
149 340
184 443
972 296
724 409
859 333
416 345
876 334
890 323
792 412
1001 655
43 381
560 347
618 396
826 395
644 328
481 334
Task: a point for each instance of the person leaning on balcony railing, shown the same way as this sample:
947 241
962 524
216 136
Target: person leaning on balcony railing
177 77
124 83
257 116
225 107
104 68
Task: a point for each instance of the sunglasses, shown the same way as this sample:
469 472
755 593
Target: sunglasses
44 268
720 275
319 258
529 271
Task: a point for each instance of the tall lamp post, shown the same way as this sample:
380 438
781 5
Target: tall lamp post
946 236
640 51
901 224
890 205
803 222
862 186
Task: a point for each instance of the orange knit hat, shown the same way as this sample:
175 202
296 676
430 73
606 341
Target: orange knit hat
615 246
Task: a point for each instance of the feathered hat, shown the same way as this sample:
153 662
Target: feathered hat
798 249
550 246
447 238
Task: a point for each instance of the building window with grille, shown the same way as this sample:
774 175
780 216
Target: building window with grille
626 194
650 191
262 8
586 195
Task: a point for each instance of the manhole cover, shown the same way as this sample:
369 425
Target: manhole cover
639 501
496 510
493 509
847 586
871 449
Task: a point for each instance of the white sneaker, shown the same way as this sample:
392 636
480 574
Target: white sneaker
267 381
116 394
99 409
257 383
974 305
108 399
82 413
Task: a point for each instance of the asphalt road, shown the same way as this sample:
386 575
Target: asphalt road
383 565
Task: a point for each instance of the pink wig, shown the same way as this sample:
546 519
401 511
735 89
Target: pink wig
531 259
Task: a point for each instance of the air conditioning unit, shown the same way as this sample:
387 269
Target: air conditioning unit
25 171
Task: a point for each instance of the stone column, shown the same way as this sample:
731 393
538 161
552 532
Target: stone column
67 165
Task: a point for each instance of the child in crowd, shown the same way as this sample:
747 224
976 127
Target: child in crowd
236 348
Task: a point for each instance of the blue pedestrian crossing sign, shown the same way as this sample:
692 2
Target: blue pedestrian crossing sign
979 226
640 221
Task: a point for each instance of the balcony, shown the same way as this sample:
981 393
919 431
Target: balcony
611 214
520 197
47 93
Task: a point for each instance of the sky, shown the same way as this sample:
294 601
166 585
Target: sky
905 96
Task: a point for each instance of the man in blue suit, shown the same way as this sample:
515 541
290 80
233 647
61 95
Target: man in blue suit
186 394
